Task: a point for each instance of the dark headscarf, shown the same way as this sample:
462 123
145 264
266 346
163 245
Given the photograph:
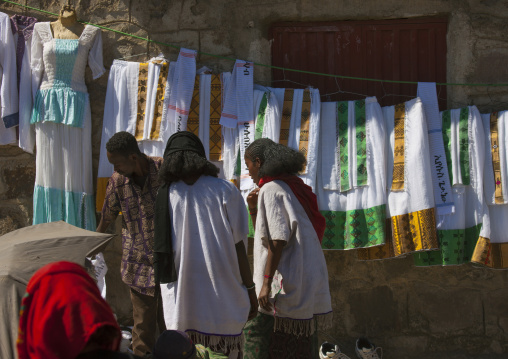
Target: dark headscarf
163 260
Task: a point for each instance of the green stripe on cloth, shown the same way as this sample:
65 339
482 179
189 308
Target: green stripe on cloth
260 121
361 143
456 247
447 140
352 229
342 144
464 145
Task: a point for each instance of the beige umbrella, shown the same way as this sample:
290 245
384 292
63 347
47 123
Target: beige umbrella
23 252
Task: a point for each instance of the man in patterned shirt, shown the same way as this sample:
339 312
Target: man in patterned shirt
132 190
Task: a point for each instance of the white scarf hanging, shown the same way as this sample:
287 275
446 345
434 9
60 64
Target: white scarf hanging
442 186
181 92
239 97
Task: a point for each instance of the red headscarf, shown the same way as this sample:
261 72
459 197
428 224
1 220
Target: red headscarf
306 197
61 309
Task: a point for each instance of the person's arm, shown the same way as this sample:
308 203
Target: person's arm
103 225
252 203
246 274
110 208
275 248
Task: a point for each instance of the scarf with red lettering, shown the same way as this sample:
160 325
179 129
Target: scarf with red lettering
61 309
306 197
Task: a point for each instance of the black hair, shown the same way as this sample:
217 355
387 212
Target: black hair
123 143
184 164
276 159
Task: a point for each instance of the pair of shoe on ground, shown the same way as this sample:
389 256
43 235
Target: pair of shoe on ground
364 350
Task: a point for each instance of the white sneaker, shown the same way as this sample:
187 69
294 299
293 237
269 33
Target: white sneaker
331 351
366 350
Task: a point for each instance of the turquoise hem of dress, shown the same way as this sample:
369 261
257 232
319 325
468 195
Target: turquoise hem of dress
60 105
76 208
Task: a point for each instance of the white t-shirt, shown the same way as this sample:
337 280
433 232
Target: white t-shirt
208 219
302 267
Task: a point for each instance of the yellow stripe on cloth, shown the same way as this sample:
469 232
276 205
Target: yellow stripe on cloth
399 148
193 119
159 102
215 113
287 109
304 125
102 184
493 255
407 233
496 163
142 84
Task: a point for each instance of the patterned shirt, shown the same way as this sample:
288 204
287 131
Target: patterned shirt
138 211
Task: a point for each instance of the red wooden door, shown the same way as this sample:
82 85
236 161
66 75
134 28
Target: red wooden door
403 50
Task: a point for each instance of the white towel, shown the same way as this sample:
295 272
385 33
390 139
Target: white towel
440 178
181 93
239 98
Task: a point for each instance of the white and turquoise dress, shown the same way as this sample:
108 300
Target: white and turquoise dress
62 119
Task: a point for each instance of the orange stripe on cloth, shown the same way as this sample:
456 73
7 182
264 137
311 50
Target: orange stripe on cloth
287 109
193 119
496 163
304 125
399 148
142 84
493 255
408 233
215 113
159 102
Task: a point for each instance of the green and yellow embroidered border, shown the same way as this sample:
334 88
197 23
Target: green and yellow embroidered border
260 121
361 143
342 138
447 140
464 145
355 228
456 247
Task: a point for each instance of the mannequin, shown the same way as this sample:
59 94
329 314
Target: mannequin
67 26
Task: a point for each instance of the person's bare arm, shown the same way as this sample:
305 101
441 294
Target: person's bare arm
246 274
252 203
275 248
103 225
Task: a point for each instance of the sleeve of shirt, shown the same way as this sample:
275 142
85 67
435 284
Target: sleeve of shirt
8 73
36 60
236 212
111 206
273 221
95 57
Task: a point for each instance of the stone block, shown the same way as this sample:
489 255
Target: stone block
188 39
373 311
215 42
444 311
11 218
156 15
18 177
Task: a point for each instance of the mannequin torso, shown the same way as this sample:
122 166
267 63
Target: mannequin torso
67 26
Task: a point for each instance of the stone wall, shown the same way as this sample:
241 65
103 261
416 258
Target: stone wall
452 312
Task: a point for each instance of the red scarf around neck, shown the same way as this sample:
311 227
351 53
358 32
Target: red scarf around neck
306 197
